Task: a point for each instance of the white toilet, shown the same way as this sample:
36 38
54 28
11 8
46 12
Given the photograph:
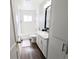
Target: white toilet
33 38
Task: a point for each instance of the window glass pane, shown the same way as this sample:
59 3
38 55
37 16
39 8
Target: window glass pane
27 18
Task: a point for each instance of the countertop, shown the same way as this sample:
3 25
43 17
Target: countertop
43 34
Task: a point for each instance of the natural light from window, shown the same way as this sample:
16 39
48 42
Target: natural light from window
27 18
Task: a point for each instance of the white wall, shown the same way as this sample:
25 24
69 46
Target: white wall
28 27
41 14
48 17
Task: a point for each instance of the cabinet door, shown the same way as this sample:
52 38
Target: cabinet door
37 40
41 43
55 49
45 47
44 51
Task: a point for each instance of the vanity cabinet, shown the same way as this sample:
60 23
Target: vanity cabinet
42 41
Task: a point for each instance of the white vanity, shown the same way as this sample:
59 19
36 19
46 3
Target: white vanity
42 41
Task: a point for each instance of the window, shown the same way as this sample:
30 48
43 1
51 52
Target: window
27 18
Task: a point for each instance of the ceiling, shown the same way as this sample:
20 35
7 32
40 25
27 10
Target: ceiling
28 4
